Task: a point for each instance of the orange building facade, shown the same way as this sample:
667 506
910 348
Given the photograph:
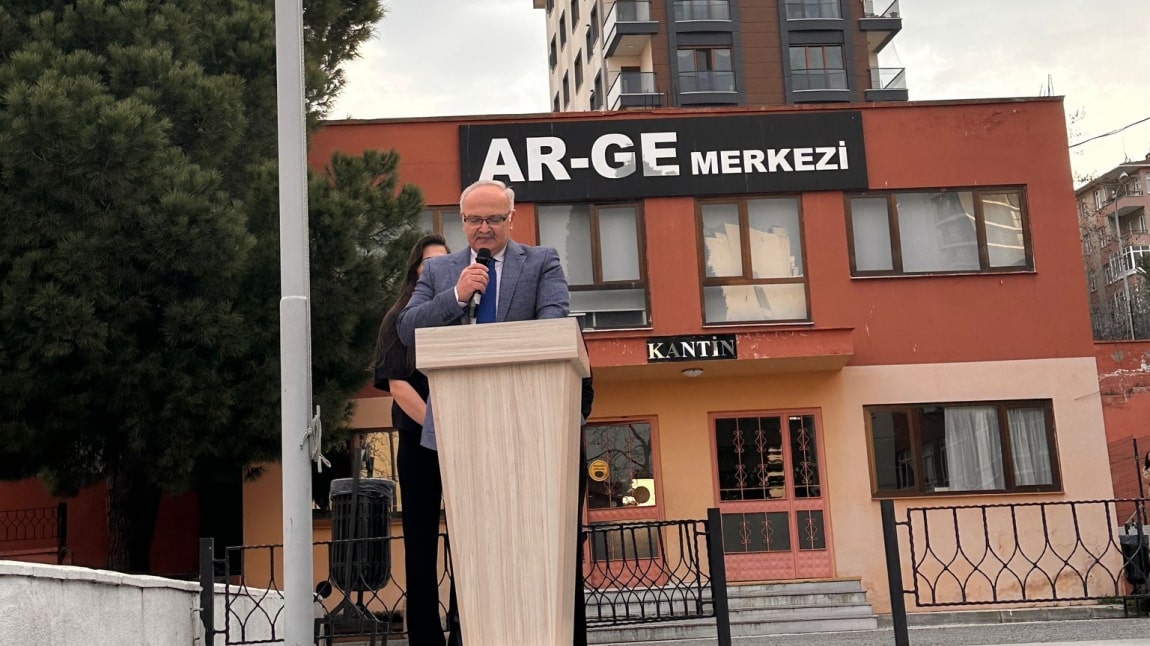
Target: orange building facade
799 347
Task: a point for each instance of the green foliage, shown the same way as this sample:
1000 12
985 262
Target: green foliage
139 258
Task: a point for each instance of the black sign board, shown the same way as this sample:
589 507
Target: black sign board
605 159
691 348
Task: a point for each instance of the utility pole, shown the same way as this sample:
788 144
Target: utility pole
295 326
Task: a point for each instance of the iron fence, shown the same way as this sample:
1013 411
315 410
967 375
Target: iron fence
1126 462
33 527
644 572
1015 553
640 572
359 597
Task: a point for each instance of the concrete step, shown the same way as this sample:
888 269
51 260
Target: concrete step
811 599
704 629
816 586
757 609
1007 616
788 613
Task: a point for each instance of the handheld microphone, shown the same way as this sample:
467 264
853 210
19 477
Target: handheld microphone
483 257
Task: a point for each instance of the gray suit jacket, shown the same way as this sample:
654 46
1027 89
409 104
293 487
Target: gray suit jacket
531 286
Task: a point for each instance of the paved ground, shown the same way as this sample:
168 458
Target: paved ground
1125 632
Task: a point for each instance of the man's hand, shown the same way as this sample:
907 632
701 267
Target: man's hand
473 279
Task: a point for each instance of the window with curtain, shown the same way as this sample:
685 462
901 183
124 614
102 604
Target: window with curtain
445 221
600 248
939 231
939 449
753 267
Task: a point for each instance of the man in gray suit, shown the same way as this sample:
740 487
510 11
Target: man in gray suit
526 282
529 282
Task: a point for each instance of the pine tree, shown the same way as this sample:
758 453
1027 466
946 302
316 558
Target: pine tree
139 255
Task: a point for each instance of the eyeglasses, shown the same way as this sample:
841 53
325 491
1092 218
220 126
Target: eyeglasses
491 220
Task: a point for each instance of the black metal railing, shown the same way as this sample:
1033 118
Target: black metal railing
646 572
642 572
1014 553
359 597
33 527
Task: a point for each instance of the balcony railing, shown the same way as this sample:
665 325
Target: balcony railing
688 10
824 9
628 24
819 79
888 78
890 12
630 83
706 81
628 11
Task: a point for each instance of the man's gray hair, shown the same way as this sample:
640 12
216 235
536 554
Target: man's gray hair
487 182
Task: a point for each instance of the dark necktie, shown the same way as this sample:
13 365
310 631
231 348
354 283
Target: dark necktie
485 313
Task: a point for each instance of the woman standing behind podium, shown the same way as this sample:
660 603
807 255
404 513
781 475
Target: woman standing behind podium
420 488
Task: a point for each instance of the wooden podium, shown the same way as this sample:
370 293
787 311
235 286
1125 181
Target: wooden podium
505 397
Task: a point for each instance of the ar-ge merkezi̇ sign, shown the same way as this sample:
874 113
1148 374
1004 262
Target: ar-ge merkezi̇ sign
635 158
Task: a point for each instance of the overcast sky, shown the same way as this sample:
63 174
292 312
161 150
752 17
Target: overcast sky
458 57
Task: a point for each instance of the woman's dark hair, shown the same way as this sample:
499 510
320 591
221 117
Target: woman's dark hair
388 333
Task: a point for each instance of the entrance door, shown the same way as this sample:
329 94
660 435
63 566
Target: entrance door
771 496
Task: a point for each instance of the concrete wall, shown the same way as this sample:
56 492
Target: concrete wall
54 605
73 606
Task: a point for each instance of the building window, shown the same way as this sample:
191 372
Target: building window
553 54
629 480
574 16
578 72
942 231
563 31
550 6
962 448
688 10
566 90
622 487
555 104
752 261
1098 200
593 31
600 248
1136 225
818 67
802 9
445 221
1092 281
706 70
1118 266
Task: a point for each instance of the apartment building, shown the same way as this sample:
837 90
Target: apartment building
1112 222
606 55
